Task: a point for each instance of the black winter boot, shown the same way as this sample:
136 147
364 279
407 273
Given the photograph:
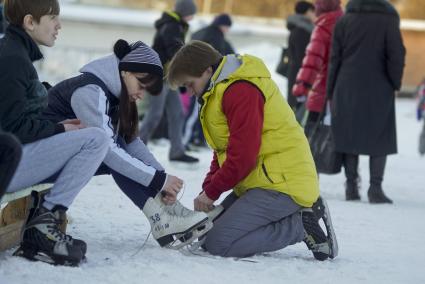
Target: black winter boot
44 241
351 164
376 194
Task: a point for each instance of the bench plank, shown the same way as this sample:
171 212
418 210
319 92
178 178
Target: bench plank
24 192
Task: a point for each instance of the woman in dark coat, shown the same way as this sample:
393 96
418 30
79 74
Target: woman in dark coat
366 69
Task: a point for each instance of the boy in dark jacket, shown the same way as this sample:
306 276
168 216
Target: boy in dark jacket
300 27
171 30
59 150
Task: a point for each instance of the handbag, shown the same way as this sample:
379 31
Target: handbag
283 66
322 147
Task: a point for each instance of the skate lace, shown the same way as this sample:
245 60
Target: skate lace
53 229
177 210
150 232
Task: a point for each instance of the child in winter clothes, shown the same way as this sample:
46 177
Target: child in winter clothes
260 151
421 115
48 147
170 34
104 96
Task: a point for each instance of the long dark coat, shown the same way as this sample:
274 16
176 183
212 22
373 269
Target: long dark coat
366 69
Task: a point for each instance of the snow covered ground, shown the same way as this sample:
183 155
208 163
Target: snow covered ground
378 243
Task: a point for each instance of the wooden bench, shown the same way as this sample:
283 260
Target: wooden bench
13 215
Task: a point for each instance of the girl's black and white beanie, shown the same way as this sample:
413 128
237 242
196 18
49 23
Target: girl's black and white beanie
137 57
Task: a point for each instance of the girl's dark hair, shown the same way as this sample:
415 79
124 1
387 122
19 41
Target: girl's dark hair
153 84
128 117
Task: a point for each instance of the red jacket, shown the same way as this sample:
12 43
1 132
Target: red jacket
243 105
311 79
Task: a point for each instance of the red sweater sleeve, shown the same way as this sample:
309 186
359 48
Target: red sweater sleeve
214 167
243 106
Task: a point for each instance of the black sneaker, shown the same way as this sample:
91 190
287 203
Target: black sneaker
185 159
322 245
44 241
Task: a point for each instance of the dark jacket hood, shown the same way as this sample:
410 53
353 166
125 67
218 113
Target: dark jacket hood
169 17
371 6
299 21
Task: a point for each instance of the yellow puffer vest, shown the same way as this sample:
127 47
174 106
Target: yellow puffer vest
284 163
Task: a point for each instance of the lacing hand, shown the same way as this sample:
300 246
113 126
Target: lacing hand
203 203
171 188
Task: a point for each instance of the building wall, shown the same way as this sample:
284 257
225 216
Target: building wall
415 60
412 9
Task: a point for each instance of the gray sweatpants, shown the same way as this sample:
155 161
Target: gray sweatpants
75 154
422 140
169 101
259 221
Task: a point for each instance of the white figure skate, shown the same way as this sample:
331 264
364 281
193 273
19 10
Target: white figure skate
175 226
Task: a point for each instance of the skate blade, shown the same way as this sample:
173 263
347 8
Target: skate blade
215 213
41 256
188 237
330 231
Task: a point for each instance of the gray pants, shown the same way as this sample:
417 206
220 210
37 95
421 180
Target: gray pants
169 101
259 221
422 141
75 154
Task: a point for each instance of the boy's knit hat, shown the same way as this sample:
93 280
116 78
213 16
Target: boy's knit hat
222 20
301 7
185 8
